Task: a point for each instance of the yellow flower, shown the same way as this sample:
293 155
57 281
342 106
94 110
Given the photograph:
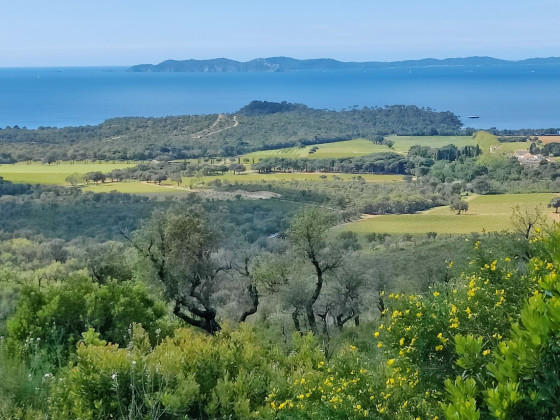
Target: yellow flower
390 362
507 259
358 407
436 294
376 334
301 396
486 352
401 341
302 381
419 314
379 345
439 348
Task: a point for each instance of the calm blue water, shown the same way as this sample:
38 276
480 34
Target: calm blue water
503 96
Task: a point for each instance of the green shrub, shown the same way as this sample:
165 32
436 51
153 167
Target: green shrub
53 318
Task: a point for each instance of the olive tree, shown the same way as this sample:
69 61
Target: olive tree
459 206
182 250
555 202
308 234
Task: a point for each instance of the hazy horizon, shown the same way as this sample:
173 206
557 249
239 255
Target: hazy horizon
64 33
101 65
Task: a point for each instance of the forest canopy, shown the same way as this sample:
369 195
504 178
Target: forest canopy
257 126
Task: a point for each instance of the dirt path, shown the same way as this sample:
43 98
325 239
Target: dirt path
212 129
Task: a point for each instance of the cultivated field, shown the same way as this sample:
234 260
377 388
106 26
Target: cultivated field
488 213
53 174
549 139
349 148
403 143
360 147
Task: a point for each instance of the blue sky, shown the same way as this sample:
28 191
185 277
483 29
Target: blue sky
126 32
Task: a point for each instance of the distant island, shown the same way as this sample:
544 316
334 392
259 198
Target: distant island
286 64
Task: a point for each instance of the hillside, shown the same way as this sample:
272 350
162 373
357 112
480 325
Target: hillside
283 64
257 126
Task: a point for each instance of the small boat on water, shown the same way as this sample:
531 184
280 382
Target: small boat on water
474 116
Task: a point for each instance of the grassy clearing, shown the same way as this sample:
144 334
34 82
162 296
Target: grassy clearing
488 213
403 143
360 147
349 148
53 174
492 149
512 147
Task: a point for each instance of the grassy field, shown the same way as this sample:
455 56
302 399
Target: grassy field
170 188
511 147
492 149
360 147
486 213
349 148
54 174
403 143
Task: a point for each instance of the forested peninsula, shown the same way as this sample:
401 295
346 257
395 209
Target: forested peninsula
259 125
285 64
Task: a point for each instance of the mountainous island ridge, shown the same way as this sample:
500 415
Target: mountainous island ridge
286 64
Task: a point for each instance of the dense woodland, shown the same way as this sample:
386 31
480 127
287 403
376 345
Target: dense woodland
124 306
261 126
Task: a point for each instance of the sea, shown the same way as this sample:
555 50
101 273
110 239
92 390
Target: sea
501 96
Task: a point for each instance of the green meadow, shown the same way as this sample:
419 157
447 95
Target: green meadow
512 147
348 148
489 213
36 173
360 147
403 143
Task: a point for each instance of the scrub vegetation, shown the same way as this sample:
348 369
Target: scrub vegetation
387 277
